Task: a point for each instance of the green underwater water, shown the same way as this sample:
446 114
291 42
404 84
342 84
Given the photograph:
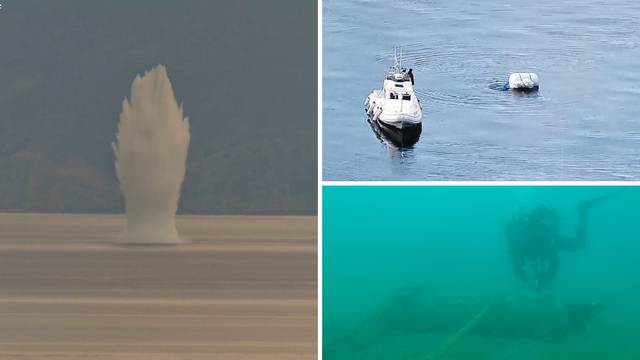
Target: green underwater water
379 239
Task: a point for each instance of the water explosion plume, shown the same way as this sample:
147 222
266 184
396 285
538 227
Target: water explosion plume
151 155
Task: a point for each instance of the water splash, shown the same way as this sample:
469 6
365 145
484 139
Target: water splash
151 153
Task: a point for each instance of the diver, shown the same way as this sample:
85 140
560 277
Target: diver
534 241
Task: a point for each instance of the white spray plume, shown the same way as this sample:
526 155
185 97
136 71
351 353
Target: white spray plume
151 155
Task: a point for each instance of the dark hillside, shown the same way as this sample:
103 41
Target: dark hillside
246 72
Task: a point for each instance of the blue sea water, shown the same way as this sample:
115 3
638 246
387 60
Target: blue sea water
581 125
379 239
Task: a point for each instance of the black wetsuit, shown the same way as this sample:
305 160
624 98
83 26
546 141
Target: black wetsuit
535 241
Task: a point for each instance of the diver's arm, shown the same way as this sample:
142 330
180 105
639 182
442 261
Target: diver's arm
567 244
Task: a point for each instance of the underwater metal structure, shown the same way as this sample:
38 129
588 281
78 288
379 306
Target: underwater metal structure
422 310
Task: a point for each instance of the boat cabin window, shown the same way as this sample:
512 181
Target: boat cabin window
391 77
406 97
393 96
399 85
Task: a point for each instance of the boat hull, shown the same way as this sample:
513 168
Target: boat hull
400 138
401 122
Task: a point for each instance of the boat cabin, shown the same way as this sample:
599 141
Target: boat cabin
398 90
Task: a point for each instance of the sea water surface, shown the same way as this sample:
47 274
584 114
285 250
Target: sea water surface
450 239
581 125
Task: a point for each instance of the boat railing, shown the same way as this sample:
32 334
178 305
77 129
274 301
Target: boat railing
397 63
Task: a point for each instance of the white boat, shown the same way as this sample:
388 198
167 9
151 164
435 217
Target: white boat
396 104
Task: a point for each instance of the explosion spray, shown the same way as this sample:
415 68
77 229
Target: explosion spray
151 155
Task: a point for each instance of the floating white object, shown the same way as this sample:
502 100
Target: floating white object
524 81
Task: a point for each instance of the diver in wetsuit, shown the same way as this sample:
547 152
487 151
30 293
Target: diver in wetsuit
410 75
534 241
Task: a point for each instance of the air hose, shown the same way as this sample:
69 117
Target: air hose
465 329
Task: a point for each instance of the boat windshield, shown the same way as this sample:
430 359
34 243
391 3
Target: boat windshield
393 77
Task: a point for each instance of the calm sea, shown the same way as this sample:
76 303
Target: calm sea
581 125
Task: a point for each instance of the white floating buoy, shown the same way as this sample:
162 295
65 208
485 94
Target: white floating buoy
524 81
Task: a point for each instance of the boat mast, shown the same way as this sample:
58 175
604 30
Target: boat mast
397 59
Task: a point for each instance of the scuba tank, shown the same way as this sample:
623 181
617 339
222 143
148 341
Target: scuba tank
539 223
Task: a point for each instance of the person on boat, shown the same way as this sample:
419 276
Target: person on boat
534 241
410 75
